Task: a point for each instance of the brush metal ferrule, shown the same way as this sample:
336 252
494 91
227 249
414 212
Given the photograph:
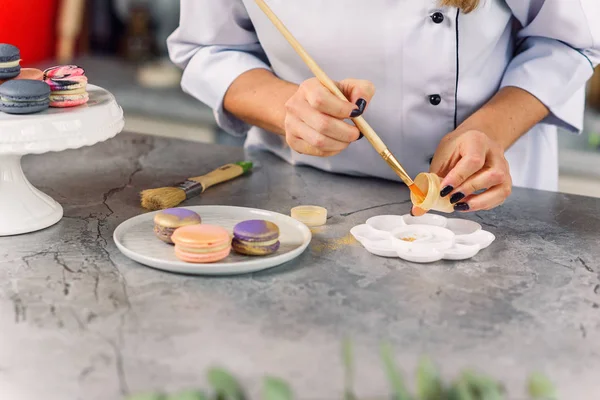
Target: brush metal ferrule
396 167
191 188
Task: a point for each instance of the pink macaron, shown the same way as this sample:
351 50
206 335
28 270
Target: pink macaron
68 84
201 244
63 71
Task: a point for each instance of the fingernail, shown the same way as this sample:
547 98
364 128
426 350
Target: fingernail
446 191
456 197
411 213
360 137
361 103
355 113
461 207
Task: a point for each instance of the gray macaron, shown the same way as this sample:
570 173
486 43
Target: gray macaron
9 54
24 96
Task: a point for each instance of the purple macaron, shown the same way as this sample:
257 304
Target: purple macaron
255 238
166 221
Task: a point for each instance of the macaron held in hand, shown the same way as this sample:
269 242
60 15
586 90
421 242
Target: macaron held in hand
24 96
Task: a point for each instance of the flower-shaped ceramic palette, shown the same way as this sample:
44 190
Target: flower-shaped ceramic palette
425 239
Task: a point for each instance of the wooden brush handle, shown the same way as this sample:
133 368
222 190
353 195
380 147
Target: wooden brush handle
360 122
220 175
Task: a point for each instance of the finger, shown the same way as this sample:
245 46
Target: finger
467 166
325 124
322 100
487 200
300 129
441 163
302 147
356 89
359 92
485 178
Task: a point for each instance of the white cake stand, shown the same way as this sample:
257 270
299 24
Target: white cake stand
23 208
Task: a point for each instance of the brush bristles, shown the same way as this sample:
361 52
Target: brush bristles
159 199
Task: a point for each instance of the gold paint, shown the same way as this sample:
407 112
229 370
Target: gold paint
317 229
334 244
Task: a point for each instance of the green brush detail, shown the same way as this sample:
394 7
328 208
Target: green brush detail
246 165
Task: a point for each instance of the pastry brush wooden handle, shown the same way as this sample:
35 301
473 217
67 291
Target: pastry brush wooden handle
360 122
219 175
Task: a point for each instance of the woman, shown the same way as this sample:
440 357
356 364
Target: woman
472 90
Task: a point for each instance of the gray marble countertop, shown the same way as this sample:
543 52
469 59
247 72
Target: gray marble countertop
78 320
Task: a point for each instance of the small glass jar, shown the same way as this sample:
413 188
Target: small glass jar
311 216
430 186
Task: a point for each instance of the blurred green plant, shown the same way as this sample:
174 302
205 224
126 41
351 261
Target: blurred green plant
594 140
469 385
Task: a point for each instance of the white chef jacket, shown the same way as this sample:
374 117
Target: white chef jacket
410 50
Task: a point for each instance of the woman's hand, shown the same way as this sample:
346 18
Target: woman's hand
314 120
470 162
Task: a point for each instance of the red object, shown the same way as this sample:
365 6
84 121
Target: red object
31 26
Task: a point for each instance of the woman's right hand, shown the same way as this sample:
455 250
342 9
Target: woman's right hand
314 120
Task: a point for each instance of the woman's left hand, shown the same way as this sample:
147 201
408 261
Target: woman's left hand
470 162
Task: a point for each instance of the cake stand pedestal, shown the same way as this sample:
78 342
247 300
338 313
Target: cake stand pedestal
23 208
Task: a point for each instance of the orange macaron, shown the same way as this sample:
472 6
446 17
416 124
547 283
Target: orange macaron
28 73
202 243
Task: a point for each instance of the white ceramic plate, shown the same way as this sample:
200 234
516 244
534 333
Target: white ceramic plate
136 240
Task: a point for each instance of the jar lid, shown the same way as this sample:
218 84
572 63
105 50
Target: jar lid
310 215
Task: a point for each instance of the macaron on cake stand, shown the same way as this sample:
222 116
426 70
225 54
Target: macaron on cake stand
23 208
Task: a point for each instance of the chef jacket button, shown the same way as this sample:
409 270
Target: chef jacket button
437 17
435 99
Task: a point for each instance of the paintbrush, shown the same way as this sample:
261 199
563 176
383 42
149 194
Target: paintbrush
168 197
360 122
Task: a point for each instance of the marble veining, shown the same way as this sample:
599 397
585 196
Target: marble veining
78 320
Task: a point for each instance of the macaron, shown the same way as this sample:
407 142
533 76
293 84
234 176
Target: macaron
201 244
166 221
28 73
256 238
68 84
10 61
63 71
24 96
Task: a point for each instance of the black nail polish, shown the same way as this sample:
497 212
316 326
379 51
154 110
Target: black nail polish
362 104
411 213
446 191
360 137
461 207
456 197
